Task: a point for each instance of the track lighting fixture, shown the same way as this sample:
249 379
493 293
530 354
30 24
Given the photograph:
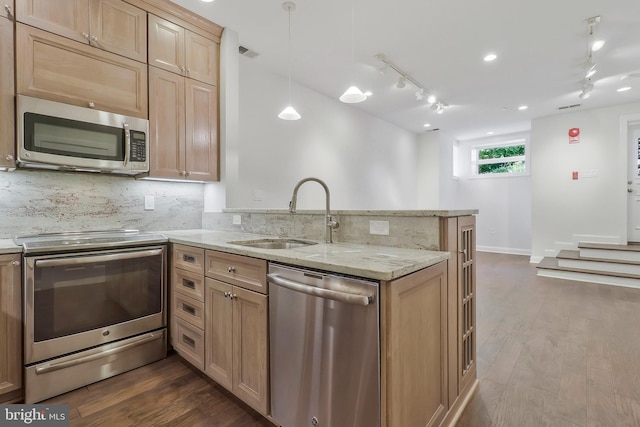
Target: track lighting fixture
590 66
289 113
421 93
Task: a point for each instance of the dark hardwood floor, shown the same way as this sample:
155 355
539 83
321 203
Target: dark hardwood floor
550 353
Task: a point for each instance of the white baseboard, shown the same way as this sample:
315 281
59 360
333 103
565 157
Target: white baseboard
498 250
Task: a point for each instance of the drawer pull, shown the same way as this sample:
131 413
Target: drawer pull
189 341
231 269
189 309
188 258
189 284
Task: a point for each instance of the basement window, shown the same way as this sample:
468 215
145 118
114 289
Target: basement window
505 158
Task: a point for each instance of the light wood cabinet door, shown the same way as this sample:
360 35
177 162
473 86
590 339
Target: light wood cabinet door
466 300
414 328
118 27
250 348
55 68
112 25
68 18
7 114
166 124
201 58
10 329
219 332
201 143
166 45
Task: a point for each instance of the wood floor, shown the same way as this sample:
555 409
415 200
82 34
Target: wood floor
550 353
553 352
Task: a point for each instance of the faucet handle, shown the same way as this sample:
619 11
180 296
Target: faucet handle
332 223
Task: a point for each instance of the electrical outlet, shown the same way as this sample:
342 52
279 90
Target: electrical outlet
237 220
149 203
379 227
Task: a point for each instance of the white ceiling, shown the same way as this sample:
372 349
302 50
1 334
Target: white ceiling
541 45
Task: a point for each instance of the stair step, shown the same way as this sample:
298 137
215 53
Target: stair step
549 267
603 251
575 255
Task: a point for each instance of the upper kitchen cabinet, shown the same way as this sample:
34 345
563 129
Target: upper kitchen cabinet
183 127
59 69
181 51
7 130
111 25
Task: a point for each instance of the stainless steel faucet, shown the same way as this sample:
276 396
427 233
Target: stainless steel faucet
330 223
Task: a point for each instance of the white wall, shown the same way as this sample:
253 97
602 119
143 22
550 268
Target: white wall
366 162
566 211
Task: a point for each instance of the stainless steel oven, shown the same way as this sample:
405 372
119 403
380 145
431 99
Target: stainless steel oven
92 311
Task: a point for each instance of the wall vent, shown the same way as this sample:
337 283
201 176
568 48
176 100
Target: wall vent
247 52
566 107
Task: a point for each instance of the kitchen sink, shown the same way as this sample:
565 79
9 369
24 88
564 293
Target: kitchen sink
273 243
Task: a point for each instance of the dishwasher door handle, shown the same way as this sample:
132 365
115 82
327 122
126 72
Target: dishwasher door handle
320 292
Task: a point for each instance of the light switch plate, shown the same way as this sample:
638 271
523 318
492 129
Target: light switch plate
379 227
149 203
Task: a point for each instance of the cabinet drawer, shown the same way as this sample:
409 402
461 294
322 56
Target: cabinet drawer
188 283
249 273
188 309
58 69
188 258
188 341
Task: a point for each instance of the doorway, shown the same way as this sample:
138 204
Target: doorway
633 181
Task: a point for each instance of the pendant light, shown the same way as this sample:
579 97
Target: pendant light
289 113
353 95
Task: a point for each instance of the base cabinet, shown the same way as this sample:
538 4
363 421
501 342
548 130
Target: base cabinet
10 329
236 341
414 348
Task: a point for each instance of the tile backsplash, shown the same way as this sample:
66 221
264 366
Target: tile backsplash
42 202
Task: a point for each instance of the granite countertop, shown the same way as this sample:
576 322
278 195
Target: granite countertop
400 213
368 261
8 247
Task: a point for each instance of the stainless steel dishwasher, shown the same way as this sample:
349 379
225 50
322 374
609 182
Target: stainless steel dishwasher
324 349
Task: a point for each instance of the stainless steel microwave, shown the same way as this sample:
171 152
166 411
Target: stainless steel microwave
52 135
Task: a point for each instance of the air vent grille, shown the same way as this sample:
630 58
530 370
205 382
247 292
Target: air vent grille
247 52
566 107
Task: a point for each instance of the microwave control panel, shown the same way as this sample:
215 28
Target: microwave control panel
138 146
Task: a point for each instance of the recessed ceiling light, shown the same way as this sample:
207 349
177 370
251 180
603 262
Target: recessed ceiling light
522 107
206 1
490 57
504 109
427 125
490 132
624 89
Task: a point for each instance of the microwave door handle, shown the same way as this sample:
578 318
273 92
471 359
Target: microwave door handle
127 143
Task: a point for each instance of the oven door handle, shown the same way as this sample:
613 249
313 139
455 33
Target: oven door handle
86 359
67 262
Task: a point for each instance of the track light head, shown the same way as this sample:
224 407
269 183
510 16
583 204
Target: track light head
420 94
402 82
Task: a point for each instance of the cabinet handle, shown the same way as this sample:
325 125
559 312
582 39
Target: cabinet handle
189 173
94 38
9 10
231 269
182 69
189 341
189 309
15 263
85 35
189 284
234 296
188 258
91 104
188 71
183 173
9 157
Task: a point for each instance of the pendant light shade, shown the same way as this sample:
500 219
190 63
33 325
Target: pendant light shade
289 113
353 95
